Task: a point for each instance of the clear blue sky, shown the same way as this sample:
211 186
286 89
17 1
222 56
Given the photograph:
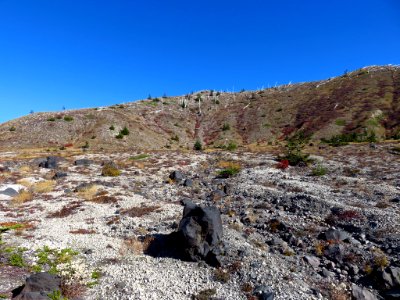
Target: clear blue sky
85 53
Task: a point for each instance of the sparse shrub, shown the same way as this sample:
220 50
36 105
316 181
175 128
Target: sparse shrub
68 118
380 260
112 127
12 128
110 170
229 172
294 149
124 131
283 164
232 146
119 136
139 157
226 127
175 138
86 146
56 295
319 170
340 122
17 260
52 119
44 186
89 192
204 294
346 138
222 275
198 146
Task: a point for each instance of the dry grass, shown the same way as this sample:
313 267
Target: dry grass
45 186
22 197
89 192
25 169
25 183
224 164
104 199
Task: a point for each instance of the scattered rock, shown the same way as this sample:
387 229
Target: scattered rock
59 175
188 182
312 260
176 176
49 163
335 235
37 287
9 192
83 162
361 293
201 229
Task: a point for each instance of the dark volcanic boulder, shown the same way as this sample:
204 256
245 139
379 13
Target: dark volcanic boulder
37 287
201 231
9 192
83 162
49 163
176 176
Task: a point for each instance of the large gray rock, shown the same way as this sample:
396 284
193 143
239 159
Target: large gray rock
37 287
176 176
201 230
50 162
335 235
83 162
360 293
9 192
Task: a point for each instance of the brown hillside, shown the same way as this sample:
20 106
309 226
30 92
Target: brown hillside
364 100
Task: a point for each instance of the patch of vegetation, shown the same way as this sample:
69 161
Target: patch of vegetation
294 150
112 127
119 136
56 295
16 259
232 146
139 157
86 146
230 170
12 128
222 275
198 146
68 118
124 131
110 170
175 138
319 170
204 294
226 127
354 137
52 119
340 122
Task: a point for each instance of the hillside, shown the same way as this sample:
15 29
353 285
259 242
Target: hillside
363 101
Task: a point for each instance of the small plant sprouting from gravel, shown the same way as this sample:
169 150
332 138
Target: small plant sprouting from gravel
68 118
319 170
222 275
204 294
140 157
110 170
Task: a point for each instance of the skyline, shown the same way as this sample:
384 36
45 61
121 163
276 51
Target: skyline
76 55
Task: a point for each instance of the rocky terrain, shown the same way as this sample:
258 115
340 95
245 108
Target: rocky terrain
106 222
365 102
289 192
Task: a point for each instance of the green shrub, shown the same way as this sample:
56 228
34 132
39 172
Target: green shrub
231 146
16 260
68 118
139 157
340 122
124 131
319 170
175 138
229 172
112 127
198 146
51 119
226 127
12 128
353 137
119 136
294 149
